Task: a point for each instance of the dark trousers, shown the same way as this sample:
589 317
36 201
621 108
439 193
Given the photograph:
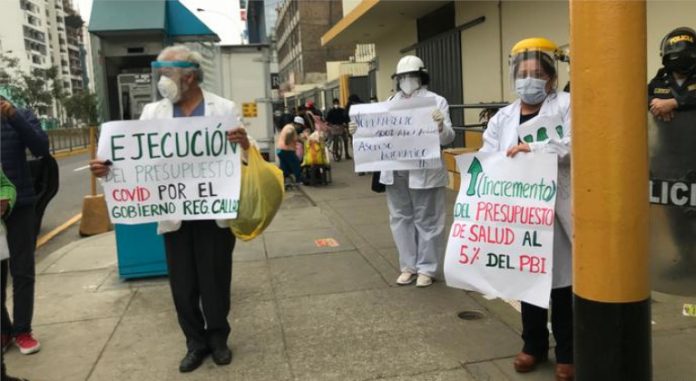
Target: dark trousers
534 330
21 240
290 164
199 257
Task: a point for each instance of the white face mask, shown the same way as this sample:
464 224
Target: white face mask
169 89
531 91
408 85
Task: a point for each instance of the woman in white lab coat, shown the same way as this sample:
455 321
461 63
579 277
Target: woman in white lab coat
534 74
416 198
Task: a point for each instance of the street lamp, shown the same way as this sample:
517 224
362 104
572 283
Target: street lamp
232 20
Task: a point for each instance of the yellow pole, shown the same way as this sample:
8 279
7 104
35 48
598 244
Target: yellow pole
610 189
344 88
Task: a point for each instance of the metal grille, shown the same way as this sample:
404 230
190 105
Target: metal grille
443 59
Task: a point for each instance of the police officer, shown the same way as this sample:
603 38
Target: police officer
674 86
672 101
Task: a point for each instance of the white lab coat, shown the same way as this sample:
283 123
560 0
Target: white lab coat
502 134
430 177
164 109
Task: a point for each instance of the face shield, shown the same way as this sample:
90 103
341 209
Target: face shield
533 74
168 76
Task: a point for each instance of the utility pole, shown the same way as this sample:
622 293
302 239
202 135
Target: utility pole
610 190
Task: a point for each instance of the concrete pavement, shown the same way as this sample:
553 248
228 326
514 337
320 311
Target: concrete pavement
299 311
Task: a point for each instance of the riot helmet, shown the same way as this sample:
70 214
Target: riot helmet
678 50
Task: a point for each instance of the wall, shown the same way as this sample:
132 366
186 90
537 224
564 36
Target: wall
349 5
663 16
317 17
485 49
481 55
388 55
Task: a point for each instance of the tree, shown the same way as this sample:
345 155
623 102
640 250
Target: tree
82 106
36 89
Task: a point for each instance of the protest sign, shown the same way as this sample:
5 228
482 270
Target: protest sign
501 241
395 135
541 128
171 169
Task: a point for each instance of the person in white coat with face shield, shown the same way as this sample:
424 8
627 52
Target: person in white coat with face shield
416 198
533 72
199 252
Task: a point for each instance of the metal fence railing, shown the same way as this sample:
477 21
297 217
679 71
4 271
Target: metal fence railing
68 139
491 108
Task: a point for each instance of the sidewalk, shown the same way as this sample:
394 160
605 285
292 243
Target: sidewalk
299 311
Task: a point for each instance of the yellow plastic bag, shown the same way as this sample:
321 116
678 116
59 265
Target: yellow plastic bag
314 153
260 197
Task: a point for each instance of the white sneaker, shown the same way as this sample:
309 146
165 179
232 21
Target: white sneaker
405 278
424 281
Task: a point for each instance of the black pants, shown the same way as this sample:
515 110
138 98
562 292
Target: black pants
21 240
199 257
534 330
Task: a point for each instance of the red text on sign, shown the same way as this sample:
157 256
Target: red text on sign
533 264
135 194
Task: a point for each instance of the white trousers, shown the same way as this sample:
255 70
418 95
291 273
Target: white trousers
417 221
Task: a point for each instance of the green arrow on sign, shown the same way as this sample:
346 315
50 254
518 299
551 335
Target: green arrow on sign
475 169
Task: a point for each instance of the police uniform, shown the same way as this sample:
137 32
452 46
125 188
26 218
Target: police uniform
664 86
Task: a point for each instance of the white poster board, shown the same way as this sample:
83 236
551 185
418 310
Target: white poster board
171 169
541 128
501 241
396 135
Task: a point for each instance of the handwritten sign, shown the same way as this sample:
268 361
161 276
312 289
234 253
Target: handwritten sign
542 128
396 135
501 241
172 169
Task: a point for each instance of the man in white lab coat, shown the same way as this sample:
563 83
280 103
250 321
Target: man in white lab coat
199 253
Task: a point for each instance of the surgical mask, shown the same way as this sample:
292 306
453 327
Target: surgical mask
408 85
531 91
169 89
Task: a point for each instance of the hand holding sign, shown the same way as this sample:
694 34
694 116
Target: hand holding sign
239 135
171 169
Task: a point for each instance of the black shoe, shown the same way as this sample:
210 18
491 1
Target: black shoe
349 158
222 356
192 360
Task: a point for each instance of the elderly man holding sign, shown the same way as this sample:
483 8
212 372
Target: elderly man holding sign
539 121
183 174
401 138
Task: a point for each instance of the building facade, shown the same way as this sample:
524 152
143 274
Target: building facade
42 34
299 27
465 44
